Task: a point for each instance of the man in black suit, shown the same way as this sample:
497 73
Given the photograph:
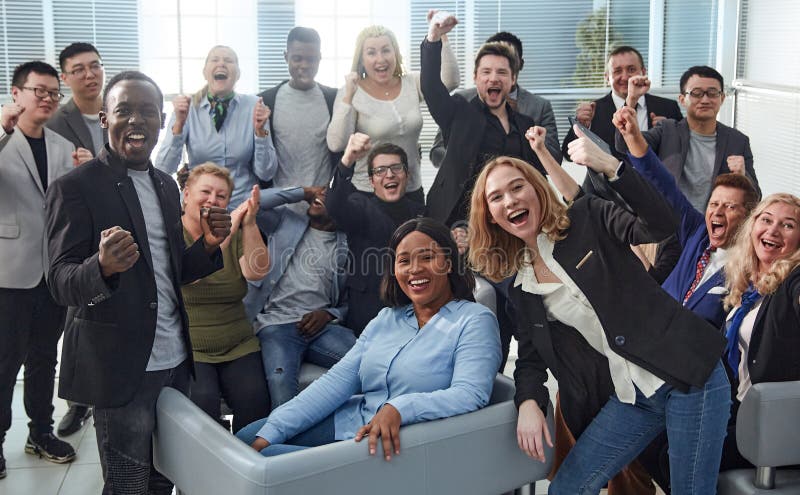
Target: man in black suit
127 332
475 130
623 63
78 120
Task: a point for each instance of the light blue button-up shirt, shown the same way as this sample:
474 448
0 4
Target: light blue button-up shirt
444 369
235 147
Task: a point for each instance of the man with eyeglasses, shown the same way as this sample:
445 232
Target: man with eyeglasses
369 219
78 120
31 323
698 149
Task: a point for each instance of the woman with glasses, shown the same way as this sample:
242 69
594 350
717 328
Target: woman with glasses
221 126
369 218
381 100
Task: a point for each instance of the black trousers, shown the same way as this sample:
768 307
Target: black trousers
240 382
30 325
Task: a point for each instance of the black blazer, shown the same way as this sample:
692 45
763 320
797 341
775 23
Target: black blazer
462 124
774 354
604 111
369 227
111 323
68 122
642 323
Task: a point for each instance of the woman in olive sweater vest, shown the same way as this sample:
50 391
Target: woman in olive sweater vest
226 351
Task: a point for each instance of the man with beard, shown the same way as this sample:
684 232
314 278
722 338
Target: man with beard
475 130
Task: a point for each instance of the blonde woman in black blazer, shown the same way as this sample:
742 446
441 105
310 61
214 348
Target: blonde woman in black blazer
663 360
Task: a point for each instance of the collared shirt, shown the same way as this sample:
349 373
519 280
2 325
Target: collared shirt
565 302
641 110
443 369
235 147
715 263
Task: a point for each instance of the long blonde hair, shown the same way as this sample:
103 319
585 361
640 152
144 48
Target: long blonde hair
198 97
741 266
495 253
374 32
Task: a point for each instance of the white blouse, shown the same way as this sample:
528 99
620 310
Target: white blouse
565 302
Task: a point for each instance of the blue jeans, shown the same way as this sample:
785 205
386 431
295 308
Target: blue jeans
321 433
284 348
696 424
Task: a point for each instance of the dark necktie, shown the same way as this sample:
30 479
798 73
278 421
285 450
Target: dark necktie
219 107
702 263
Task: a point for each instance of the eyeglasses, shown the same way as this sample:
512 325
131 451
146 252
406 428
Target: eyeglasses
699 93
396 168
95 67
42 93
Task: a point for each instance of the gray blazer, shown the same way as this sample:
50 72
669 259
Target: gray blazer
22 242
537 108
670 141
68 122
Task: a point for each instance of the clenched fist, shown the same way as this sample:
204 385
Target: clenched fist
358 147
10 116
180 105
260 115
118 252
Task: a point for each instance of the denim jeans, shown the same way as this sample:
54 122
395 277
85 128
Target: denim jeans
696 426
125 436
284 348
30 325
321 433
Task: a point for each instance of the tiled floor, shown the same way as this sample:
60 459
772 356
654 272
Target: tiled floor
29 475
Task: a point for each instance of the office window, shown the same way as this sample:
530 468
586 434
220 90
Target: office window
22 37
275 19
111 25
768 91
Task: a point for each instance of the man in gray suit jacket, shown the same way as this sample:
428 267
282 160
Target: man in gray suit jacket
31 158
537 108
699 148
78 120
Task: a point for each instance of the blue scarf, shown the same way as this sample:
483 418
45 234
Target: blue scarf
749 299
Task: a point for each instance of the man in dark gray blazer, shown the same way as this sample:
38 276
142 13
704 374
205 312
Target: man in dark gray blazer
78 120
698 149
523 101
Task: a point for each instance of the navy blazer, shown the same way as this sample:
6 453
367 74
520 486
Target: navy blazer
111 323
706 300
642 323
